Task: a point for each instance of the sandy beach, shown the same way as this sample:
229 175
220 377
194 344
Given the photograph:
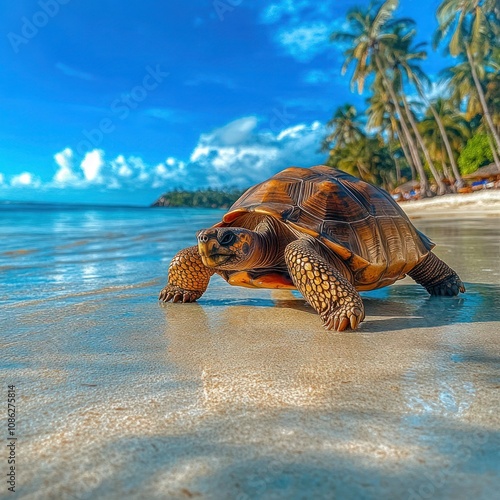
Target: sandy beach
244 395
473 205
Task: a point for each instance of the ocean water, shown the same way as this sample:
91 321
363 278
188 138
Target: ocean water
61 252
58 252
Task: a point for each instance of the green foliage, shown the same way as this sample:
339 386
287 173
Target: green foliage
476 153
204 198
396 134
368 158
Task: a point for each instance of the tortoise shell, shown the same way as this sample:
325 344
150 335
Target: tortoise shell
361 223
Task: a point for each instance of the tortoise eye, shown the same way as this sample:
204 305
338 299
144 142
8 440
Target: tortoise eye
227 239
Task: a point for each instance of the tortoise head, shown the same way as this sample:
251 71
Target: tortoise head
230 248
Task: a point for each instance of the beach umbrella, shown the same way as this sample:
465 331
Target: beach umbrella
484 173
407 187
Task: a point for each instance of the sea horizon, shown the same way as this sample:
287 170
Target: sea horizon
56 204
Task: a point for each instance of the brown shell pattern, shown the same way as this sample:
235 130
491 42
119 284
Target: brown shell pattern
358 221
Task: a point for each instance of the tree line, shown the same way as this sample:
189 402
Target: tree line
206 198
402 134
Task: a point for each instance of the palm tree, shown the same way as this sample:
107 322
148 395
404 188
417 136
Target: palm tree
471 26
372 31
369 30
405 58
368 158
346 126
456 133
460 80
353 158
402 56
382 117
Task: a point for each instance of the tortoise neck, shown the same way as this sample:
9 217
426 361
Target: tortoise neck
271 238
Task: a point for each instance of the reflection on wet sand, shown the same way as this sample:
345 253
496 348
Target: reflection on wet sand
280 356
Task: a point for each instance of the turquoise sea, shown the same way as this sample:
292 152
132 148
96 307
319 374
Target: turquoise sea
59 251
65 267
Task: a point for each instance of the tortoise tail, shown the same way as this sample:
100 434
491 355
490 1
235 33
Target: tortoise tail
437 277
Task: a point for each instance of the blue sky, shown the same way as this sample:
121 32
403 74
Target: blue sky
116 102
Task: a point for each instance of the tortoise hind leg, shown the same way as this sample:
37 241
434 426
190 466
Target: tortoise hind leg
323 283
437 277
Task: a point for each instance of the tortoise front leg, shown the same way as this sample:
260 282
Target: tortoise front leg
324 285
187 277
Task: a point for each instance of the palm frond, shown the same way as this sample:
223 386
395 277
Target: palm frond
384 13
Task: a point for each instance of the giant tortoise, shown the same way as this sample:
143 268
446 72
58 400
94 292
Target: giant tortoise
318 230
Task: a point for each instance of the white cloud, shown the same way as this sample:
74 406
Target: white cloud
437 88
2 179
258 154
304 42
236 132
239 154
432 91
300 27
65 174
92 164
172 173
292 10
25 179
74 72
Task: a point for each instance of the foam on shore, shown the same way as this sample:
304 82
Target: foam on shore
481 203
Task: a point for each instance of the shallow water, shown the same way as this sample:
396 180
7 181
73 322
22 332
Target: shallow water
242 395
51 252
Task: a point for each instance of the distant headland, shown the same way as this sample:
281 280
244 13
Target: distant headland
202 198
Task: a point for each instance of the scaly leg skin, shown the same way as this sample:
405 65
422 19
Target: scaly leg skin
437 277
324 286
187 277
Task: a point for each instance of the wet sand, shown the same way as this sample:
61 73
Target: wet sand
244 395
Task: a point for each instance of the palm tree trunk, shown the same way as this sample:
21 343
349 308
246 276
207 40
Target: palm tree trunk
406 152
449 151
424 183
482 98
410 140
493 150
453 186
442 131
435 173
422 176
360 170
396 162
398 172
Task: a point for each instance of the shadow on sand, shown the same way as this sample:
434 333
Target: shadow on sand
401 306
214 461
